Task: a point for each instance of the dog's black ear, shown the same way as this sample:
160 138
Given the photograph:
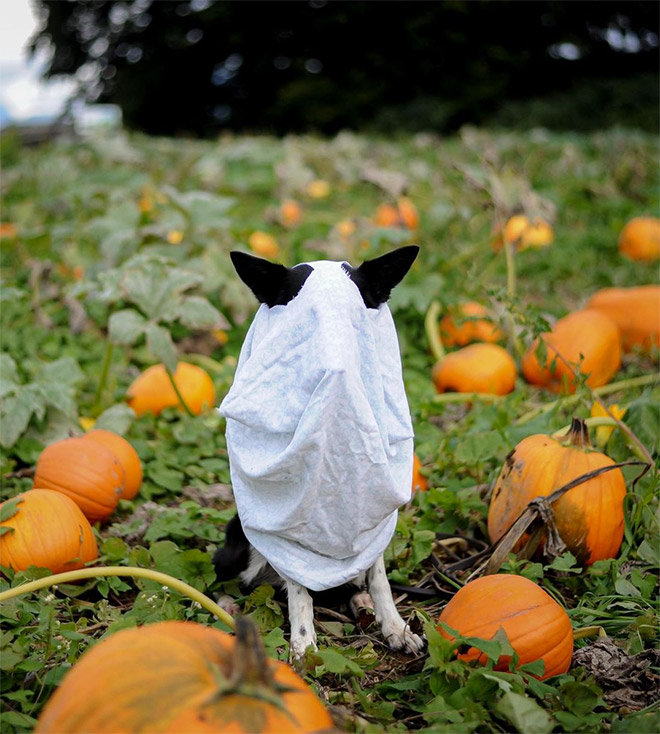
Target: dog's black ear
272 284
376 278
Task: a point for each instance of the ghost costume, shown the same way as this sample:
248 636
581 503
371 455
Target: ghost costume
319 434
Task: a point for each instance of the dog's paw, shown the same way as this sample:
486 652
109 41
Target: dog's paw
400 637
228 605
301 641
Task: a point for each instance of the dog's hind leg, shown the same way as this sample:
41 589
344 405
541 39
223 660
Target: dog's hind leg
396 632
234 556
301 617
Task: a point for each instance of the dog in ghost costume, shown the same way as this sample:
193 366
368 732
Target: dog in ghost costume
319 437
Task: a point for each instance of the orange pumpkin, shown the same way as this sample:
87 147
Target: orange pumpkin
466 323
588 333
640 239
419 482
524 233
408 213
538 628
636 311
127 456
152 391
482 368
264 244
87 472
386 215
402 214
181 677
49 531
290 213
589 517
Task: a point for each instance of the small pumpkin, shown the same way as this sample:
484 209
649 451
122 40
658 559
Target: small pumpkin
419 482
538 627
86 471
636 311
182 677
589 334
264 244
152 391
589 517
468 322
524 233
290 213
127 455
640 239
402 214
49 530
480 368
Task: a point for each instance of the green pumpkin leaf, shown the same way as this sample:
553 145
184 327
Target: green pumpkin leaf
524 713
126 326
160 344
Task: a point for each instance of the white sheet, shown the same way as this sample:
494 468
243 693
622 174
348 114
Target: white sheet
319 434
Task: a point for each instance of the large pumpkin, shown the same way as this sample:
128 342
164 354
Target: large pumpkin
537 627
152 391
181 677
588 340
640 239
127 456
482 368
49 530
589 517
86 471
466 323
636 311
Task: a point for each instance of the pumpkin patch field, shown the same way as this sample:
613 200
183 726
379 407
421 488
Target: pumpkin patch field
529 328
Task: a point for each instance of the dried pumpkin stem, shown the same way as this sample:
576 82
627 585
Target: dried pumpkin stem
184 405
134 572
432 331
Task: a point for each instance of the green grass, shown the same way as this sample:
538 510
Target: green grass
99 203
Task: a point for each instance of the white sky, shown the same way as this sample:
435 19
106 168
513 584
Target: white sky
22 94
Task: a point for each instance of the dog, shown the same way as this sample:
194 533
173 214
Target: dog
319 438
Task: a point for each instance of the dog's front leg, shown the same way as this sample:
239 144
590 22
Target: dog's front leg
396 632
301 617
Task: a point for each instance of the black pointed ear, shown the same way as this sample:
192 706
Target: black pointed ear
376 278
271 283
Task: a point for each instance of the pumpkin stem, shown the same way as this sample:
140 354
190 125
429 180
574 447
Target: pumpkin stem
578 434
250 661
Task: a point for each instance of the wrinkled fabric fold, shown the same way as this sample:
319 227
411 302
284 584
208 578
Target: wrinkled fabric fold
319 434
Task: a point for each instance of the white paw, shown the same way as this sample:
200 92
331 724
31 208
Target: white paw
300 644
399 637
229 605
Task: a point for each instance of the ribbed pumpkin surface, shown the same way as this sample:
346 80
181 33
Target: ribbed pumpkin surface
50 531
636 311
466 323
484 368
167 677
537 627
589 517
87 472
586 333
127 456
152 391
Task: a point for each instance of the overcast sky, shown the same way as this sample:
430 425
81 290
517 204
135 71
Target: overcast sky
22 95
